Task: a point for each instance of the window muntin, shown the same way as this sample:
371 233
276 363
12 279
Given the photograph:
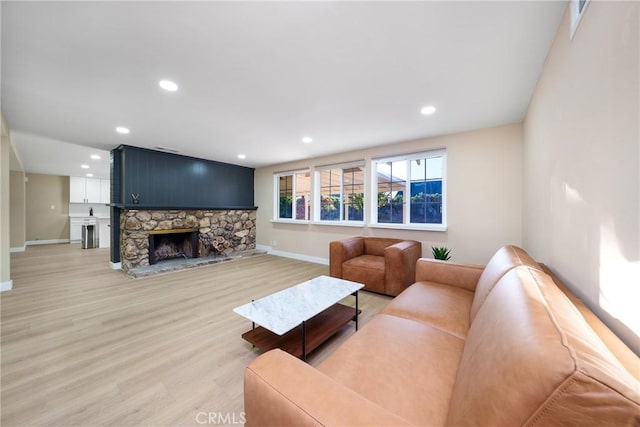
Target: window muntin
341 193
294 186
411 190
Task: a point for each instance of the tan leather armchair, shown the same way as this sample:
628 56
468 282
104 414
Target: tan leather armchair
383 265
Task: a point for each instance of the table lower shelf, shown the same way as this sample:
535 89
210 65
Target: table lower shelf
318 329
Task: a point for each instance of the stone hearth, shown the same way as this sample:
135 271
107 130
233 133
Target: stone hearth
235 228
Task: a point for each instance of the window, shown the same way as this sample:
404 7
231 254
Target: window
410 190
340 193
290 187
407 191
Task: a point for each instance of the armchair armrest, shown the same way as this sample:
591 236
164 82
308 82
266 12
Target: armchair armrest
461 275
281 390
341 251
400 265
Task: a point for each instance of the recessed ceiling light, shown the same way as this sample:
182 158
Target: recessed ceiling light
84 166
429 109
242 156
123 130
307 140
89 175
95 157
168 85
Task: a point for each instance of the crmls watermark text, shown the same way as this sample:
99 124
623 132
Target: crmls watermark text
220 418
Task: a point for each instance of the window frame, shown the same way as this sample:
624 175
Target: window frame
406 205
317 194
276 196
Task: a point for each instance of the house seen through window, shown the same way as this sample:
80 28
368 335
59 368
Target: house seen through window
410 190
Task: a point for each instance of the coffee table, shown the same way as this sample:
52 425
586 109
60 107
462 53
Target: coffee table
300 318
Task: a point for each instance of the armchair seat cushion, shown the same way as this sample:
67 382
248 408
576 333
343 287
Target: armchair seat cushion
367 269
367 262
383 265
442 306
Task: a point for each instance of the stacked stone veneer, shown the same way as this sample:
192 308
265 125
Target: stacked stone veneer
237 226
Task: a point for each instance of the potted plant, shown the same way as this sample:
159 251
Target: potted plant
441 253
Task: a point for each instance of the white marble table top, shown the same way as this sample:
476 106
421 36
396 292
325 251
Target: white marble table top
286 309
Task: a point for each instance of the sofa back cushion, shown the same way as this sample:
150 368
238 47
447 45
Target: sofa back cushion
531 359
505 259
376 245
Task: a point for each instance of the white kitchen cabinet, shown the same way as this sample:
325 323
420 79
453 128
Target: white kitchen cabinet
93 190
77 189
104 232
89 190
105 191
75 230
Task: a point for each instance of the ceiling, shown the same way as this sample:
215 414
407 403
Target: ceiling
256 77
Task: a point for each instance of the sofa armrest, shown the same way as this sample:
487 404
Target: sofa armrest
400 265
281 390
463 276
619 349
341 251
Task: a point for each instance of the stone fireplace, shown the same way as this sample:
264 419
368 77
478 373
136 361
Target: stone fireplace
151 236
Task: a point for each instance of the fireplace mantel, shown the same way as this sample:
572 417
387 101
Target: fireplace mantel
190 207
174 230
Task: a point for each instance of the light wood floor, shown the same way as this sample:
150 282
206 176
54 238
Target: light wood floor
85 345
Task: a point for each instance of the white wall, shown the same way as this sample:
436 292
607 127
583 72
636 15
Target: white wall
5 235
47 208
582 163
484 198
17 208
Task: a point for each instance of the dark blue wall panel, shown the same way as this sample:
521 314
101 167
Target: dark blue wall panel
165 180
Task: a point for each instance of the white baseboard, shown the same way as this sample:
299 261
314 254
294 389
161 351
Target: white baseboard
46 242
6 286
115 265
293 255
18 249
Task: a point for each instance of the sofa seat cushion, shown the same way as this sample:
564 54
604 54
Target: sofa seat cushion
366 269
405 366
281 390
442 306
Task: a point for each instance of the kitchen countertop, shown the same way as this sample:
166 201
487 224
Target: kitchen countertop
89 217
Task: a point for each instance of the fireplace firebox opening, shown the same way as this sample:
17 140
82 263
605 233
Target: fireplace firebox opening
170 244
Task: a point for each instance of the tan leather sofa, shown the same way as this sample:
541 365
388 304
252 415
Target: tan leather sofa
465 345
383 265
